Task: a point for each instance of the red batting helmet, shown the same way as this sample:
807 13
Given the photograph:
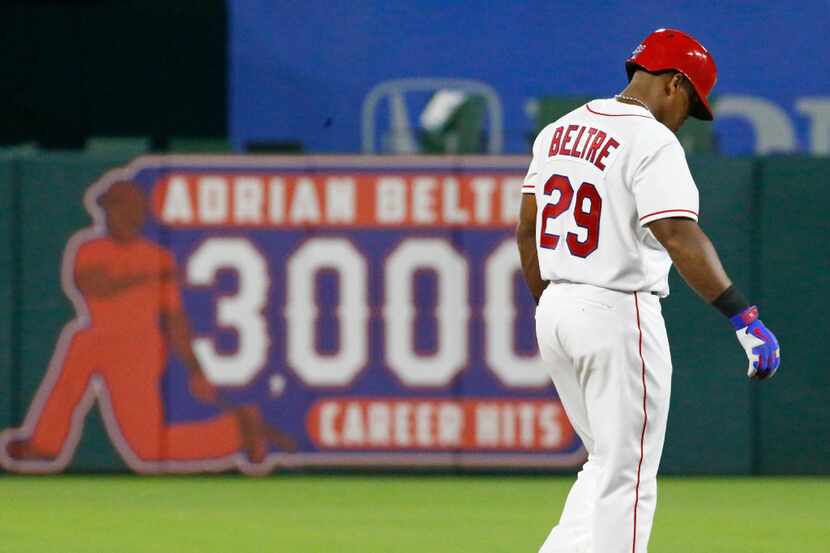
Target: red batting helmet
666 49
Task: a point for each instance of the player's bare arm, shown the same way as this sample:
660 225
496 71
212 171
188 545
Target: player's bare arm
698 263
526 240
694 256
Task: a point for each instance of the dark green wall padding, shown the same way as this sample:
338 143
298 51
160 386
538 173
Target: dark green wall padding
794 415
710 422
766 217
8 262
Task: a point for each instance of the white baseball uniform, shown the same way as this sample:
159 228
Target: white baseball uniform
599 175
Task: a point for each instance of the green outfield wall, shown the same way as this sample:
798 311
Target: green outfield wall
794 255
767 218
8 378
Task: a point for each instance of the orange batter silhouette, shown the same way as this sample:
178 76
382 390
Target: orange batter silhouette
135 313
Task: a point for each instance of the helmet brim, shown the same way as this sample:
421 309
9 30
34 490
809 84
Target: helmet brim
700 109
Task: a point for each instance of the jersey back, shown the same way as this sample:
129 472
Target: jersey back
600 174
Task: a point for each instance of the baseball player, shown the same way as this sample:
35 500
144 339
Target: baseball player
608 204
136 315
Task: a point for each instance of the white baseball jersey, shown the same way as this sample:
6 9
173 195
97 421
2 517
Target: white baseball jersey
600 174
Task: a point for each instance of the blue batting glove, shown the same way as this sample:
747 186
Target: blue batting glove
760 344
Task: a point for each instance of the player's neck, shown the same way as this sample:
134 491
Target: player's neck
633 96
648 100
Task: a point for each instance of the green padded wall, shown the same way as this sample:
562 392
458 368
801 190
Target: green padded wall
794 423
710 417
772 245
7 260
51 210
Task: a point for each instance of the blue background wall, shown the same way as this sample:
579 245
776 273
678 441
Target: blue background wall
301 69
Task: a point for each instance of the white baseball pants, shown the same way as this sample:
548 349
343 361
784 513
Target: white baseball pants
608 355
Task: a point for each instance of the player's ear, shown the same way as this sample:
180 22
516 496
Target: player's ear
674 83
679 81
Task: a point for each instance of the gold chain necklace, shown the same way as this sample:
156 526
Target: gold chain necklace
635 100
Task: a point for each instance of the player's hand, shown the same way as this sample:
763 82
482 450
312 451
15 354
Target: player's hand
759 342
202 389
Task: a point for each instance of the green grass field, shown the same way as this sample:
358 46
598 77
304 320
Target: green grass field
427 514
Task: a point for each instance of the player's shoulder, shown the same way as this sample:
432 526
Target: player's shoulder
544 136
629 118
656 133
563 119
651 135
